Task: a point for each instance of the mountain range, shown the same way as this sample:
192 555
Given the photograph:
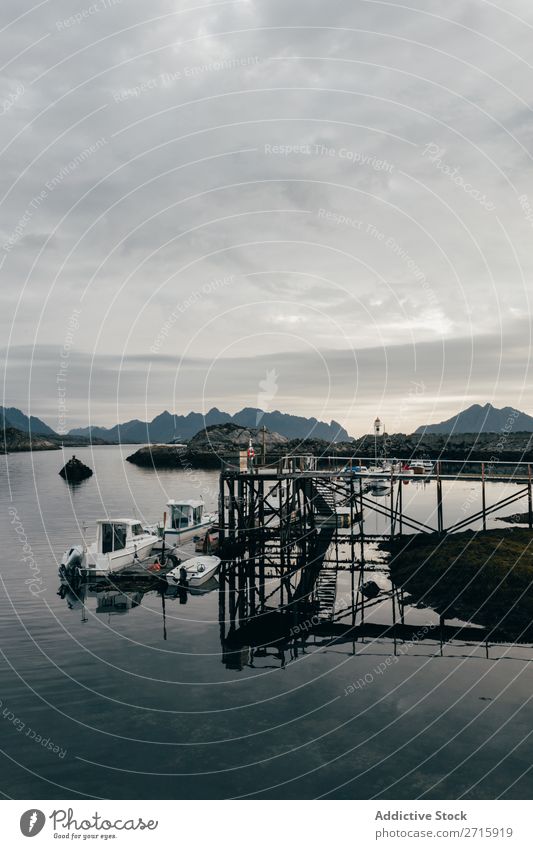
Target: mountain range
168 427
486 419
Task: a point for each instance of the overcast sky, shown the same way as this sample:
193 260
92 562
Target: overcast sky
319 207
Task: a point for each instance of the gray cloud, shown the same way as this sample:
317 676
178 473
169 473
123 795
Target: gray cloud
150 152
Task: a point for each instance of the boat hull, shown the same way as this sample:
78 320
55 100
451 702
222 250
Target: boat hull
105 564
174 537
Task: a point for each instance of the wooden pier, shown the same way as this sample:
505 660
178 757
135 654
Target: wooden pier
288 530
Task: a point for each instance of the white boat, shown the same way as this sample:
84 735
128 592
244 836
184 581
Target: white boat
195 571
422 467
119 543
185 520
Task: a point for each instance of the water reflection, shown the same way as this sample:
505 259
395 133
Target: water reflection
388 618
384 620
119 597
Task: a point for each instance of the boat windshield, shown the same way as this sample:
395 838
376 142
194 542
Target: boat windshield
137 530
180 516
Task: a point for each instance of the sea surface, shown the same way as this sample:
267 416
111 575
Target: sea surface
124 695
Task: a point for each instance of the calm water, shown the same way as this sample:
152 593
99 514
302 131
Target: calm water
113 699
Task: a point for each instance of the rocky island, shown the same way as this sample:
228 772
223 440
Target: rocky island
483 577
210 446
13 440
75 471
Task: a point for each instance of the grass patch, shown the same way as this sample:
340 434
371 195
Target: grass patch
481 577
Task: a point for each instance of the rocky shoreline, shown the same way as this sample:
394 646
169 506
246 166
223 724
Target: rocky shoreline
223 442
483 577
13 441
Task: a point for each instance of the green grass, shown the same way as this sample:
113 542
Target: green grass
485 578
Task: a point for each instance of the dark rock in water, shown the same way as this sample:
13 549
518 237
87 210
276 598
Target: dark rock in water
159 457
209 446
370 589
75 471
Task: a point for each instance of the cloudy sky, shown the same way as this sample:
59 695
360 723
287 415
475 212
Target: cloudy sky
319 207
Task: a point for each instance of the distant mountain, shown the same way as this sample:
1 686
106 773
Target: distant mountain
12 439
486 419
293 427
12 417
167 427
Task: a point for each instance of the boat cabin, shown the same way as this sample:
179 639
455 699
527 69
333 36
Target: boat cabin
184 514
116 535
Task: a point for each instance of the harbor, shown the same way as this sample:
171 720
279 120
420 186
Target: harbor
141 675
287 537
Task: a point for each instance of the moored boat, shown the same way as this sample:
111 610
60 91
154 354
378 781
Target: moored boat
193 572
119 544
184 520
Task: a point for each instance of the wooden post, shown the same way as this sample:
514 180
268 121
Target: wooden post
281 545
392 520
163 543
221 513
231 511
231 594
253 531
288 563
400 508
362 537
352 547
394 615
222 602
529 497
440 520
261 510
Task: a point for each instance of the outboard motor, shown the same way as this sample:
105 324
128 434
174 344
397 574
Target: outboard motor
73 564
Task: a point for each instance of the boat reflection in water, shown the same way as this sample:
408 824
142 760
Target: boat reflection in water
114 597
109 599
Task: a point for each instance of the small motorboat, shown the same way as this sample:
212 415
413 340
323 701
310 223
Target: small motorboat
119 544
193 572
422 467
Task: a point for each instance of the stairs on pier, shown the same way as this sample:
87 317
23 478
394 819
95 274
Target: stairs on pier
313 567
323 499
326 590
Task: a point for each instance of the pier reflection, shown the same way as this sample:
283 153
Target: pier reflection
383 620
